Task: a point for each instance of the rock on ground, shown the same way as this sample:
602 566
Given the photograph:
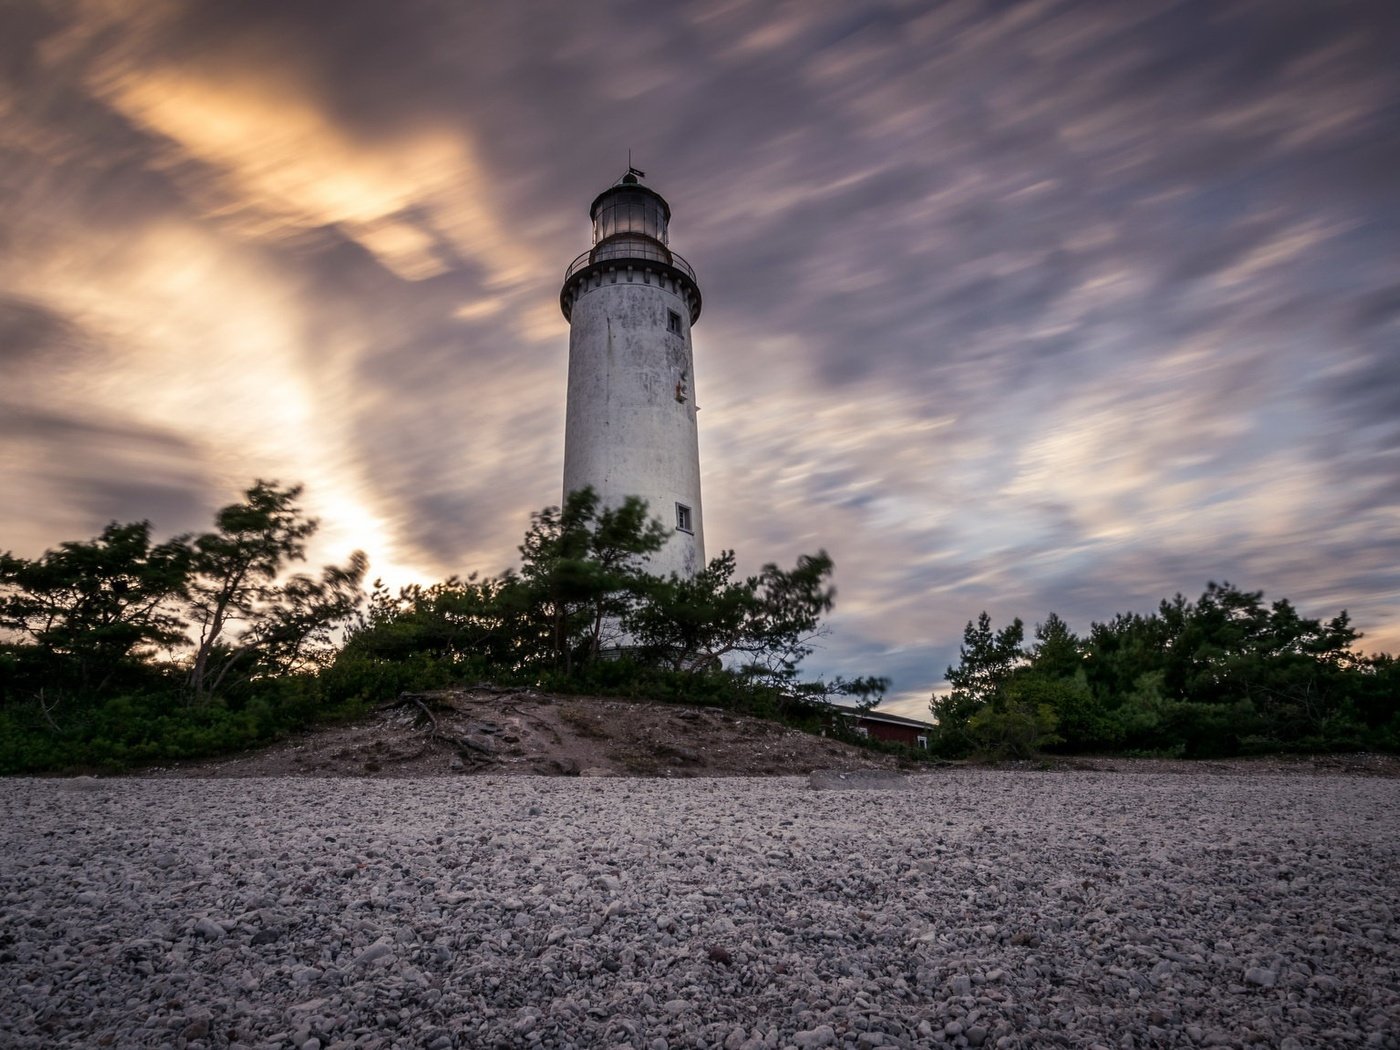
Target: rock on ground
857 780
975 908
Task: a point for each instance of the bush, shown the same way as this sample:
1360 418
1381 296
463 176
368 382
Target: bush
1012 728
582 583
1224 675
145 728
360 679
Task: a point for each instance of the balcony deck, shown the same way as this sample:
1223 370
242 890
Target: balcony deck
633 251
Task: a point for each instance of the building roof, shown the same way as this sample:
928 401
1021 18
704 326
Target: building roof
880 716
633 186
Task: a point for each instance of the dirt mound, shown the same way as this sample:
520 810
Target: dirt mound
503 731
485 730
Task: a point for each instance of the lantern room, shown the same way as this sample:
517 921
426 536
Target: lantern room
630 242
629 222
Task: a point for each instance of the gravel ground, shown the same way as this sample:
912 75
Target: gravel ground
975 908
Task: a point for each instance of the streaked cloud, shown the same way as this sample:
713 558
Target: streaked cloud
1032 307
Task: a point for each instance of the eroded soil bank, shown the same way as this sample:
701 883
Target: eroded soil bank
502 731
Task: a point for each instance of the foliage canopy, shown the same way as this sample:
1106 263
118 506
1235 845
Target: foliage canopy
1226 674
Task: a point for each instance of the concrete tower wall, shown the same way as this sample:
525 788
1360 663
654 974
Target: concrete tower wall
631 428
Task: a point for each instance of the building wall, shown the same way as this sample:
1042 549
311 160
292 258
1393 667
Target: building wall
630 428
877 729
898 734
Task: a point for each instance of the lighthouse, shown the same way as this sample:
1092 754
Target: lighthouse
630 427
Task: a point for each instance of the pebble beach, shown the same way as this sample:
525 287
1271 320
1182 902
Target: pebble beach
975 908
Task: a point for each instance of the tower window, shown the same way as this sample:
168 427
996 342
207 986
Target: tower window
683 518
673 322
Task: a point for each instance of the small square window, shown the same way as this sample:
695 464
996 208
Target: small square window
673 322
683 518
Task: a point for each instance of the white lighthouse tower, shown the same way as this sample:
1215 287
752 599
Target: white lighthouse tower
630 429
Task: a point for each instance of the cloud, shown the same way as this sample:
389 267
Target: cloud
29 332
282 164
76 470
1051 306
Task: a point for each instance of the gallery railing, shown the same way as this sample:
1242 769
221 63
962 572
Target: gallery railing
633 250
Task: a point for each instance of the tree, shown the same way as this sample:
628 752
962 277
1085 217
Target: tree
986 659
584 584
446 620
1055 680
235 602
1019 720
1058 652
427 637
791 604
296 629
1119 652
582 568
694 623
92 607
690 623
1376 699
1286 675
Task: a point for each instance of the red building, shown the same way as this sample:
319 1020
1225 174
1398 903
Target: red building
893 728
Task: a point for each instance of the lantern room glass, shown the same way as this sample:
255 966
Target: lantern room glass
634 212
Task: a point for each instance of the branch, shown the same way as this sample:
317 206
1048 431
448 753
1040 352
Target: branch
47 711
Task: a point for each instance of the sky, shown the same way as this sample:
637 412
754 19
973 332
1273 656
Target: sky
1009 306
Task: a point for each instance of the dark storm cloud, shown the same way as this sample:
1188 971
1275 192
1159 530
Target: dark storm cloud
60 430
176 505
30 331
26 26
65 158
1161 91
519 76
108 469
1378 313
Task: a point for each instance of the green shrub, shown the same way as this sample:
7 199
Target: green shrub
1012 728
